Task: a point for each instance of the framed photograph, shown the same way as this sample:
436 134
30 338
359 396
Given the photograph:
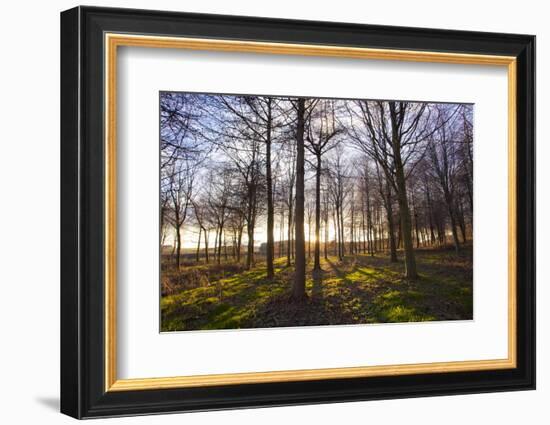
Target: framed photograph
261 212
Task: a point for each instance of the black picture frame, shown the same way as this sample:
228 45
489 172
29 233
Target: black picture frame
82 218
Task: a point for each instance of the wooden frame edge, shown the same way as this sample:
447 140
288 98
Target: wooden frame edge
512 212
307 375
110 212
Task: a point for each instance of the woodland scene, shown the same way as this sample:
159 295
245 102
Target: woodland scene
299 211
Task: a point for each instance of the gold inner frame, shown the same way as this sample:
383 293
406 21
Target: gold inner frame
113 41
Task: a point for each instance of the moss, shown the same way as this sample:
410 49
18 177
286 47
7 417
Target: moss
359 289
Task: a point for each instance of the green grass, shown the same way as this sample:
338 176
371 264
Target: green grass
360 289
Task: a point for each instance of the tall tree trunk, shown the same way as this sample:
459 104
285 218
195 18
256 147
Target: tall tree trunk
282 233
216 243
270 220
326 234
430 215
440 226
317 260
197 257
370 231
338 233
470 178
250 223
206 246
336 223
461 221
391 226
363 229
352 226
299 287
342 236
178 247
425 236
454 230
399 235
173 253
220 244
371 235
293 245
224 247
308 239
239 243
289 230
404 211
449 202
416 231
250 245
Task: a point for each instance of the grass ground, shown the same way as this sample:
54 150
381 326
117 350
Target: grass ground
360 289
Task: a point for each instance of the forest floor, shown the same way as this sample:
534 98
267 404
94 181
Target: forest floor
359 289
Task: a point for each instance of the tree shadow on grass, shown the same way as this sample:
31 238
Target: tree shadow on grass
317 285
338 271
229 303
359 289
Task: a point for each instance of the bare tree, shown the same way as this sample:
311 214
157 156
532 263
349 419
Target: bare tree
258 114
180 179
394 135
288 195
445 164
337 172
244 152
218 199
299 286
200 209
322 129
180 136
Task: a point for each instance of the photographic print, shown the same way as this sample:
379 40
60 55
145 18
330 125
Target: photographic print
299 211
